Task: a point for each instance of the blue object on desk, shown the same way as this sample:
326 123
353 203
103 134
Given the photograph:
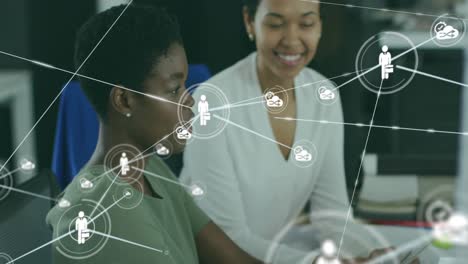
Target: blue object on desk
78 127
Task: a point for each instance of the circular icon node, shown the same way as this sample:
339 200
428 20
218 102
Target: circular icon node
6 182
438 211
64 203
304 153
211 108
379 65
184 133
453 231
197 190
86 181
27 165
164 149
326 230
276 99
124 162
437 205
5 258
447 31
128 196
85 228
326 93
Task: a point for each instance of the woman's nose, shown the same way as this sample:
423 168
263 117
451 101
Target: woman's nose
291 36
189 101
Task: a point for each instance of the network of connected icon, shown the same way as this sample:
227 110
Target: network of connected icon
90 223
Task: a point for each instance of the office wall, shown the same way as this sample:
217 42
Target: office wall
14 32
52 29
213 33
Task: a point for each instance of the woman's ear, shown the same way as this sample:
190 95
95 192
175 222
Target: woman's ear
121 100
249 23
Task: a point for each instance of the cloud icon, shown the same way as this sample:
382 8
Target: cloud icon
301 154
63 203
447 32
197 190
273 100
326 94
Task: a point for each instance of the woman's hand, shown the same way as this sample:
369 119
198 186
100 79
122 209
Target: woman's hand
374 254
361 260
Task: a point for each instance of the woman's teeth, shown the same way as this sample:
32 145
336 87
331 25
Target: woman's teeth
290 58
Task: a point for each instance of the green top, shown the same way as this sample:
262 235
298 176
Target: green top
136 228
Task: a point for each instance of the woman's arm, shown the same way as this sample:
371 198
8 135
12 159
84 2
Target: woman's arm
330 192
210 163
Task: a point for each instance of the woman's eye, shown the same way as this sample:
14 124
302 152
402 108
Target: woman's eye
275 25
176 90
308 25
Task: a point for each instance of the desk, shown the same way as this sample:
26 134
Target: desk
308 237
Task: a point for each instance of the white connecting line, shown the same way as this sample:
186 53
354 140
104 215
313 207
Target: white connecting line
251 131
244 102
430 130
105 193
107 209
64 235
292 88
126 241
42 64
392 255
45 112
103 174
431 76
28 193
229 106
68 82
378 9
162 178
42 246
360 166
9 173
378 66
137 158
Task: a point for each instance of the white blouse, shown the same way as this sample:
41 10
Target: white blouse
252 192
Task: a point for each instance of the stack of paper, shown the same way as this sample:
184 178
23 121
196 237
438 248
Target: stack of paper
388 197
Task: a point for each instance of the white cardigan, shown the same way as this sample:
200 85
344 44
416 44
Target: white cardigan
251 191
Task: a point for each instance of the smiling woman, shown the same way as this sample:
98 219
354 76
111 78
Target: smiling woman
286 36
262 169
258 182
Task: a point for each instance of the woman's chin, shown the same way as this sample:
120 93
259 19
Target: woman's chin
178 147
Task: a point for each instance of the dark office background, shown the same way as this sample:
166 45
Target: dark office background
214 35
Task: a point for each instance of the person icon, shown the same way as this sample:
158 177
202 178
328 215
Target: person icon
81 226
385 61
203 110
328 253
124 164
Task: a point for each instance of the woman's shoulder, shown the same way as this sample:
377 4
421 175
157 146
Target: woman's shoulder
234 74
312 75
86 189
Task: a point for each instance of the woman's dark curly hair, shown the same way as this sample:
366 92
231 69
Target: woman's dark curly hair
252 6
127 53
